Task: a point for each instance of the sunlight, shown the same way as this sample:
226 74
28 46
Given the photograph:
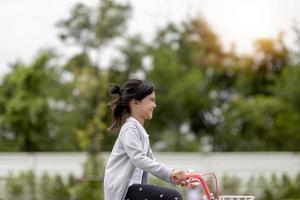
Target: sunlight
241 22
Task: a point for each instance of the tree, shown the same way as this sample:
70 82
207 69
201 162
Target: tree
286 86
179 85
271 54
93 29
25 112
256 124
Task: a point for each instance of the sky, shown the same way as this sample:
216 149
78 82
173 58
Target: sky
27 26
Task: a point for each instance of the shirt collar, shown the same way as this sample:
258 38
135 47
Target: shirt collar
138 124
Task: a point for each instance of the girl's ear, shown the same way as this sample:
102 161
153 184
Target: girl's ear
135 102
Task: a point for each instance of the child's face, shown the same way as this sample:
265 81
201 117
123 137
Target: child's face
146 106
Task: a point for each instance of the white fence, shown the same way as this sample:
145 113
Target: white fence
242 165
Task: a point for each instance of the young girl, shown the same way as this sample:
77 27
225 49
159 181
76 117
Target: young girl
131 159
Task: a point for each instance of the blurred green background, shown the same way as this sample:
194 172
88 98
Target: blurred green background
208 99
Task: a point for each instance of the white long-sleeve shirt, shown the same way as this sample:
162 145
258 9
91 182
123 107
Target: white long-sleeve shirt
131 155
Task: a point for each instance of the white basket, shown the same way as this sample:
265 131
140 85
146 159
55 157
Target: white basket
229 197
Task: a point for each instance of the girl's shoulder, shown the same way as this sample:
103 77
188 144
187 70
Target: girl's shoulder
129 126
132 126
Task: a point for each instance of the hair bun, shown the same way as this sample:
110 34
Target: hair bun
115 90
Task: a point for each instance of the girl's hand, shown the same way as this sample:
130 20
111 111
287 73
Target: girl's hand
179 177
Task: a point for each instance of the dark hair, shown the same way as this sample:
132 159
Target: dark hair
132 89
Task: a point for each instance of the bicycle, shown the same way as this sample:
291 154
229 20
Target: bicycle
196 179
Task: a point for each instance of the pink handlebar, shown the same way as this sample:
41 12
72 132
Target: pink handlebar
193 178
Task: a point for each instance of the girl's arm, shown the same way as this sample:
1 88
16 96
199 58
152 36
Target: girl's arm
133 146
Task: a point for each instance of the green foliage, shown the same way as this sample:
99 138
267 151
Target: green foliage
284 187
263 188
111 20
272 54
28 186
14 188
286 86
230 185
91 186
35 109
23 187
178 87
260 123
204 93
91 28
25 112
